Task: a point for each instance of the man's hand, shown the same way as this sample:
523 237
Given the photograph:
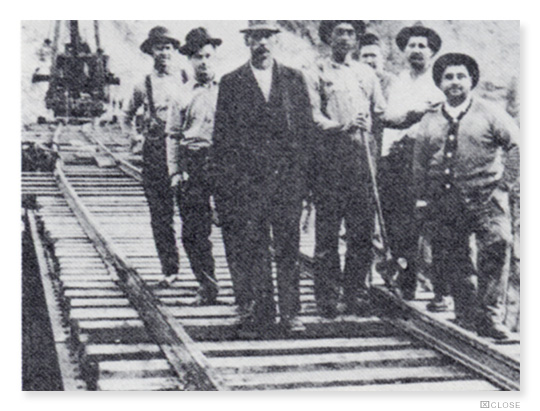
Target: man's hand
179 178
135 142
425 107
362 121
175 180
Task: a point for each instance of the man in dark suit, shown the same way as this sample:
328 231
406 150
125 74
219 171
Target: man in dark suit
261 146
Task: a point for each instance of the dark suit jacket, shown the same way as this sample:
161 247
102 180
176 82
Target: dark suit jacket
253 159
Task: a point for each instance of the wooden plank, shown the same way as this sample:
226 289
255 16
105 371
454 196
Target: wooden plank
93 293
108 324
227 347
98 302
188 363
134 368
266 363
445 386
140 384
118 350
70 381
102 313
277 380
463 346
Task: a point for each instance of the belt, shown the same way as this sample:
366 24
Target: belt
190 152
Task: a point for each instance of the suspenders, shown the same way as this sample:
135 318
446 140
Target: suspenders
156 128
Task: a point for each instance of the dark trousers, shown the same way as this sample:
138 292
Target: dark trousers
193 198
248 233
355 208
160 197
398 204
453 223
342 193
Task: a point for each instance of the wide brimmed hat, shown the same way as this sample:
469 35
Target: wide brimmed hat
261 25
158 34
196 39
456 59
327 26
434 40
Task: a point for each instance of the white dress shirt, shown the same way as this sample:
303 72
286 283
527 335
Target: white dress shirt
264 79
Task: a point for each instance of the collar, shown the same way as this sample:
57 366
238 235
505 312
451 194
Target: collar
256 70
459 111
160 75
208 84
348 62
426 73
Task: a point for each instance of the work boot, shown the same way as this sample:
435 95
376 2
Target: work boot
292 325
206 296
440 304
497 331
327 311
357 307
408 294
167 280
465 323
358 303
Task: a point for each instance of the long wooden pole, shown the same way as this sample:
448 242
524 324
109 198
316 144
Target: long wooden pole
391 268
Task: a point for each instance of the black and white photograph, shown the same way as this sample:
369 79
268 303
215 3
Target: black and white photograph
286 205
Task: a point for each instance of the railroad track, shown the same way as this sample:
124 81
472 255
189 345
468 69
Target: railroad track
128 333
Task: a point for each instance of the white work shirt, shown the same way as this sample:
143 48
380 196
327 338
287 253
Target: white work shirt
340 91
166 89
405 94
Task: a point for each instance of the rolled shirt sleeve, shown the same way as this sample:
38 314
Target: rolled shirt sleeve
173 129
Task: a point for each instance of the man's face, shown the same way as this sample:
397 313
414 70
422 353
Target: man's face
261 44
203 63
343 37
417 52
456 82
162 53
372 56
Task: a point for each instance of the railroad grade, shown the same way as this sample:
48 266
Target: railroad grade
125 332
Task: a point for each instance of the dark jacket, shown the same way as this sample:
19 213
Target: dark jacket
261 148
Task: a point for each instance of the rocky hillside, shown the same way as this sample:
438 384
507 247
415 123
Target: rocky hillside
494 43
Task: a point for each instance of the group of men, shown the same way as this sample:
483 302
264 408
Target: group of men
266 138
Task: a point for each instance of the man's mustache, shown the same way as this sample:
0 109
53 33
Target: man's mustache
417 56
261 50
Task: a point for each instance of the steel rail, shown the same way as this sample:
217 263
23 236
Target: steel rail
447 338
68 371
187 361
125 166
462 346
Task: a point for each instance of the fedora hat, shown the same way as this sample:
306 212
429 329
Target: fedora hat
327 26
434 40
158 34
456 59
261 25
196 39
